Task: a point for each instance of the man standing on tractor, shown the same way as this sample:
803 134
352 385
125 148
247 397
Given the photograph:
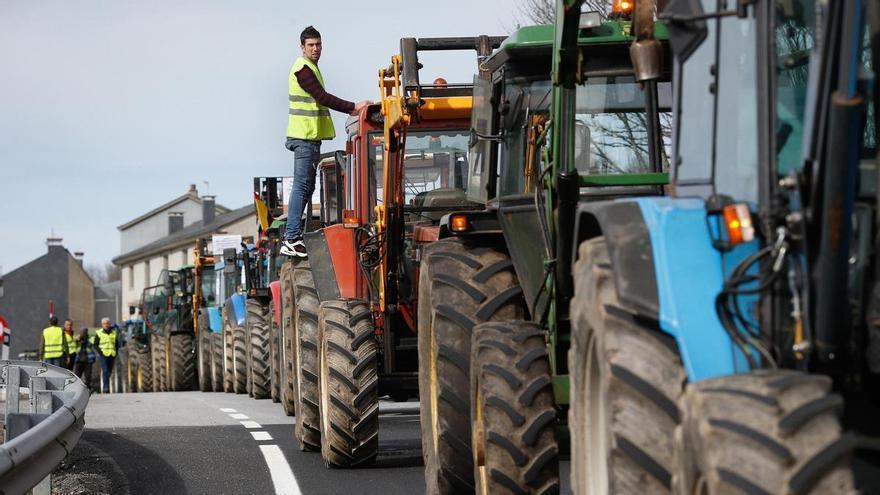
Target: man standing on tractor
308 124
53 344
106 342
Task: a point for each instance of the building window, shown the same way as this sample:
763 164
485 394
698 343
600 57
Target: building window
146 273
130 272
165 262
184 259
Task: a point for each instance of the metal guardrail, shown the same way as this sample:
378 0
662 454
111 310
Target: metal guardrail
43 421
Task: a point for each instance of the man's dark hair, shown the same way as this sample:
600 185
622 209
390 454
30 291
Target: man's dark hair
53 320
309 32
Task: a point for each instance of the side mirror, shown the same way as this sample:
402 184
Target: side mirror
131 310
229 260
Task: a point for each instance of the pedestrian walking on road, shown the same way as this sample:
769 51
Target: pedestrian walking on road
308 123
69 340
106 343
84 358
53 345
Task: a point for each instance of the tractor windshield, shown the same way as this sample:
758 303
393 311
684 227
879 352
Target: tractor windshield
435 159
611 135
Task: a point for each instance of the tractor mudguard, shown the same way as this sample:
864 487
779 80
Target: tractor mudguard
275 290
333 261
667 269
239 307
215 320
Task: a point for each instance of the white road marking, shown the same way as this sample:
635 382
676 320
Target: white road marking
261 435
239 416
279 469
250 424
227 410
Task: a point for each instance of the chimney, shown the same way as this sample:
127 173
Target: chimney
207 209
54 244
175 221
193 190
78 256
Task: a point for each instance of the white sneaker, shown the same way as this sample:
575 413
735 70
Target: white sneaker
295 248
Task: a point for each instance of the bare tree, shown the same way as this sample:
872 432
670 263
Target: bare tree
102 274
544 11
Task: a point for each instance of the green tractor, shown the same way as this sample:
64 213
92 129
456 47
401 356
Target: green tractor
168 316
565 119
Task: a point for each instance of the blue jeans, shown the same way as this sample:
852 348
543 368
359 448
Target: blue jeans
61 362
306 155
106 369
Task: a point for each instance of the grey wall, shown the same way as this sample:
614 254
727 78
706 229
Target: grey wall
26 294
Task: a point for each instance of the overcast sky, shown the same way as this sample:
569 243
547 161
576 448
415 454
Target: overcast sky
111 108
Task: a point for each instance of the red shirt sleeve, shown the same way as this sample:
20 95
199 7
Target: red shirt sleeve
309 82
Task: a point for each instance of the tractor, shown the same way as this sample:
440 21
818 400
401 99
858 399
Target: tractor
169 319
207 319
566 118
350 308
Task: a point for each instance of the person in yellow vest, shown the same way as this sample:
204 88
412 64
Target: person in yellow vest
106 342
53 345
308 123
83 352
69 339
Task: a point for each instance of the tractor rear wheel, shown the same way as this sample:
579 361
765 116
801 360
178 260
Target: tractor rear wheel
513 410
228 354
144 370
306 340
217 362
768 431
259 355
182 365
286 340
204 335
131 366
274 360
157 344
349 383
626 383
239 359
460 286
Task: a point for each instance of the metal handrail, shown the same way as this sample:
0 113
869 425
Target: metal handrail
39 437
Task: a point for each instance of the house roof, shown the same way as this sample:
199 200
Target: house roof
192 194
52 251
184 236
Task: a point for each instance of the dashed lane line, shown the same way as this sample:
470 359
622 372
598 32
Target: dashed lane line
227 410
250 424
279 469
239 416
261 436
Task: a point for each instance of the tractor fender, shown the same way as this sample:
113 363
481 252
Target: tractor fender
215 320
333 261
275 291
668 271
239 307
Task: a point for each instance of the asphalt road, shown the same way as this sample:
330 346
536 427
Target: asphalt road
194 442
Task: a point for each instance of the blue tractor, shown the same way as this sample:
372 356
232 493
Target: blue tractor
710 326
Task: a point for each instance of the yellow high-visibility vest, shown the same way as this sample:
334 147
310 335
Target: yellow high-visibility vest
307 119
71 343
53 342
107 342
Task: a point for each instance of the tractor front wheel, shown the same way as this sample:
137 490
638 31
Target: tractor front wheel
768 431
182 366
259 356
306 341
204 334
349 383
217 361
144 370
286 340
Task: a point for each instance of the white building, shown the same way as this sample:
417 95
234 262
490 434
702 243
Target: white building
152 249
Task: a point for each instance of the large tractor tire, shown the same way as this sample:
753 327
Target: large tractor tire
349 384
182 366
274 356
131 366
306 341
286 341
513 410
228 354
769 432
157 350
239 359
144 370
459 287
217 362
204 360
259 357
118 381
626 383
